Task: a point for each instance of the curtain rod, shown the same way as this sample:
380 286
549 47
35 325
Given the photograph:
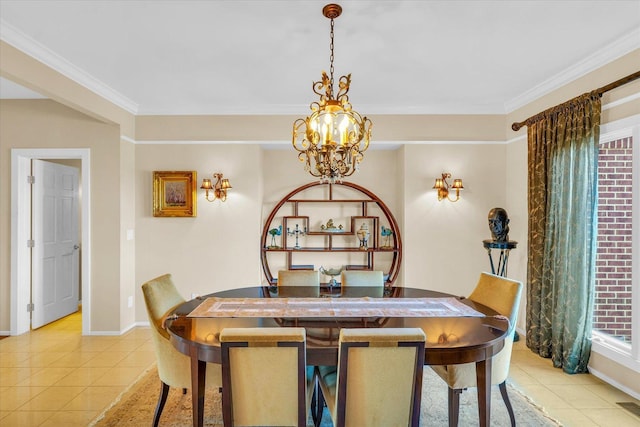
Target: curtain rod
631 77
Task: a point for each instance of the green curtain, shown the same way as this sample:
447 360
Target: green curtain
562 199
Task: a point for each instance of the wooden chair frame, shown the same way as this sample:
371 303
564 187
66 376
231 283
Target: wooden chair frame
341 392
227 396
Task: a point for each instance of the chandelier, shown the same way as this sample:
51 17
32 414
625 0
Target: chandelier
332 140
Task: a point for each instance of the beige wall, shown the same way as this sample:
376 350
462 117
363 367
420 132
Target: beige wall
403 128
218 249
127 233
283 173
47 124
443 240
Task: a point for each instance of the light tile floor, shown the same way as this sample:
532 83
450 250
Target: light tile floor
579 400
54 376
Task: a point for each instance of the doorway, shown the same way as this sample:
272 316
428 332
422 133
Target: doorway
21 232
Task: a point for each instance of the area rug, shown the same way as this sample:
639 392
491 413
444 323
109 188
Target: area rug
135 407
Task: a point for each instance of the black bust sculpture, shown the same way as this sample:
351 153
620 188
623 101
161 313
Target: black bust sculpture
499 225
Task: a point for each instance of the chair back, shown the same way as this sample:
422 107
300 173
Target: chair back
502 295
174 368
288 279
372 279
160 296
264 376
379 378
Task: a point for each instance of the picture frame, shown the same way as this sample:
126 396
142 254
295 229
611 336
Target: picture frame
174 193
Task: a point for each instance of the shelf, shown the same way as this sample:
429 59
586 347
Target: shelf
324 249
330 233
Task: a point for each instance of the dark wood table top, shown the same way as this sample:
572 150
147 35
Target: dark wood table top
450 340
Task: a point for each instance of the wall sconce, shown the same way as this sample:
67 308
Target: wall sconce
219 188
443 187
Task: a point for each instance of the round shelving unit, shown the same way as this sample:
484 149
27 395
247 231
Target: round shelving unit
302 215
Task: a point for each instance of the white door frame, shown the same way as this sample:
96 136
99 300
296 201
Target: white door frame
21 226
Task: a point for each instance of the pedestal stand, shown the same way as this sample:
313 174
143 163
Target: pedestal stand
504 248
503 260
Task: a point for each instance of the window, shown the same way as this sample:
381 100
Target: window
616 318
612 309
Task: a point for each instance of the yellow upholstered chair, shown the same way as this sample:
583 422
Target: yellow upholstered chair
502 295
264 377
372 278
289 279
174 368
379 378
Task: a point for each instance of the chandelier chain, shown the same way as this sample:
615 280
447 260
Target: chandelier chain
331 56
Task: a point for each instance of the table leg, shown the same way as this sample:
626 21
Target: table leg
483 379
198 372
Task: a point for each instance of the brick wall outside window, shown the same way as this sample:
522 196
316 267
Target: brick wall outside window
612 309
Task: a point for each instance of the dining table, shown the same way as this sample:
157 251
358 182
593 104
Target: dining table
458 330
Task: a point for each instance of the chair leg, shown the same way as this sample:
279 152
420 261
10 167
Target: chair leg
319 405
454 406
507 402
162 399
314 404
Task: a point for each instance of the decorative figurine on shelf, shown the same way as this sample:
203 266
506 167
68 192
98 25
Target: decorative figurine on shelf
363 236
499 225
275 232
330 227
297 232
386 234
332 273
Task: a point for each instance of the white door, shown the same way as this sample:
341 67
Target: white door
55 254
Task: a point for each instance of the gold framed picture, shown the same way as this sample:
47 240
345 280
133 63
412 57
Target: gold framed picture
174 193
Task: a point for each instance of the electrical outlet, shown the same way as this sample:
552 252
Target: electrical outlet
130 301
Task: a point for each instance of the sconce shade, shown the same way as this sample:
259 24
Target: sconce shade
457 183
206 184
225 184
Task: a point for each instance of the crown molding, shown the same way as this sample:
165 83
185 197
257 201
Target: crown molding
594 61
36 50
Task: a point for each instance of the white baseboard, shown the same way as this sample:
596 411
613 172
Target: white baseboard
123 331
614 383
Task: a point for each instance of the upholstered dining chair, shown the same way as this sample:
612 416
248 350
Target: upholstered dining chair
502 295
372 278
264 377
379 378
174 368
289 279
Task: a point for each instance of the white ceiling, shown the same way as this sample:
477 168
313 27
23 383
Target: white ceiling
261 57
